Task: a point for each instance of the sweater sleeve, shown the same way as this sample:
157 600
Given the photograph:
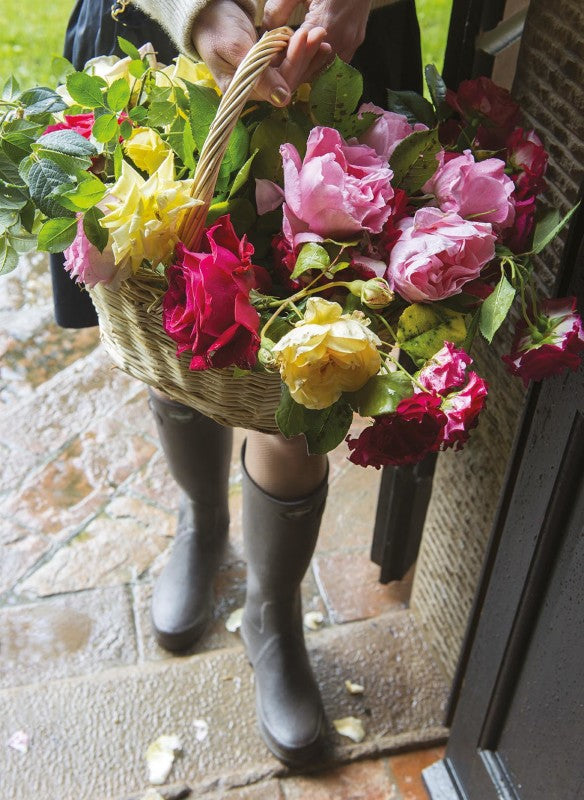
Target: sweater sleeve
178 17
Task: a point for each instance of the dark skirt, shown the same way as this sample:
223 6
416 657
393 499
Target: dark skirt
390 57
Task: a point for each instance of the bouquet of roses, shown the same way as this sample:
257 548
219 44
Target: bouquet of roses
354 249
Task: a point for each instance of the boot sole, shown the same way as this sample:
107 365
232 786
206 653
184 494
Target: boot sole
296 757
180 641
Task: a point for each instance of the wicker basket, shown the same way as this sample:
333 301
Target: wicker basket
130 317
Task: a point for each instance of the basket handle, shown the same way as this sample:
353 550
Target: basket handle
215 145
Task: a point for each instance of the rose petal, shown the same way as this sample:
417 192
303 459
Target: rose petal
354 688
351 727
313 620
233 623
160 757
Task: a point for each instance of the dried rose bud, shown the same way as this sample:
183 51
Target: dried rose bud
374 293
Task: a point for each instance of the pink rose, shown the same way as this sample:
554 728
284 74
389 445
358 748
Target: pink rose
338 191
551 345
462 411
475 190
415 429
87 265
388 130
446 370
437 254
206 308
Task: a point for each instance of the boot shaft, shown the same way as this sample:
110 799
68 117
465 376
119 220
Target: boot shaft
279 538
197 449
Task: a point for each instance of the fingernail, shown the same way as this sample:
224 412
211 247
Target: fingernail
280 96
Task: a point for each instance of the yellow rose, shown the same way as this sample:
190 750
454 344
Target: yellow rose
146 149
326 354
145 214
185 69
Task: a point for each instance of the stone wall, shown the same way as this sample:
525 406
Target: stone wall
549 84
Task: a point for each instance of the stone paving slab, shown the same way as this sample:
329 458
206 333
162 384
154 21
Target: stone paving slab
70 635
88 736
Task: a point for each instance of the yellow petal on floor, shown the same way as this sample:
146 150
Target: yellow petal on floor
351 727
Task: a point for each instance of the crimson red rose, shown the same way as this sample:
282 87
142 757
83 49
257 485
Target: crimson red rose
284 260
551 345
206 308
404 437
483 101
518 237
528 158
80 123
462 411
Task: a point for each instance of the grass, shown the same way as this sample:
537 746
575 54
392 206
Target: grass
33 32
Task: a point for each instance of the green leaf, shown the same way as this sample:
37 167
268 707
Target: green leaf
548 228
44 177
161 114
97 235
8 170
289 415
12 198
85 195
8 256
355 125
414 160
311 256
328 427
413 106
8 217
18 137
126 129
324 429
11 89
335 93
57 234
139 115
68 142
423 329
118 95
242 213
85 89
436 87
41 100
106 128
189 146
242 176
381 394
73 165
27 216
61 67
137 67
272 132
21 240
472 329
128 48
495 308
118 159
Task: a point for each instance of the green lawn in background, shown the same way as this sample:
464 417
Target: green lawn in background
32 33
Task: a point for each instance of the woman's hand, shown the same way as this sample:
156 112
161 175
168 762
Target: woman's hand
224 33
345 22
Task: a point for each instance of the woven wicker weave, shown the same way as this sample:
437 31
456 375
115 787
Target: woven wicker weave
130 318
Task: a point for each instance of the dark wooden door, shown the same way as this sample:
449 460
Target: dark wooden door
517 731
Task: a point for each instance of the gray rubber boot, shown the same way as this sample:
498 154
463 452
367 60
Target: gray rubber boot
198 451
279 539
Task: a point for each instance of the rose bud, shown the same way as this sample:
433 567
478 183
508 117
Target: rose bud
373 293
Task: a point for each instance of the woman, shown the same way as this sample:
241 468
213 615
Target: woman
284 488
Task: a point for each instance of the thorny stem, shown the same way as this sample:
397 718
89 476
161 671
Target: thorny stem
401 367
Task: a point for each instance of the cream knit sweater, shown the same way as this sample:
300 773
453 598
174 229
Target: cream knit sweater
178 17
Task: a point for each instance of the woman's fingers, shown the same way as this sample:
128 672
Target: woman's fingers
222 36
277 12
306 51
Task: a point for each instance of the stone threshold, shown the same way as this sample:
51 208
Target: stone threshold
89 734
